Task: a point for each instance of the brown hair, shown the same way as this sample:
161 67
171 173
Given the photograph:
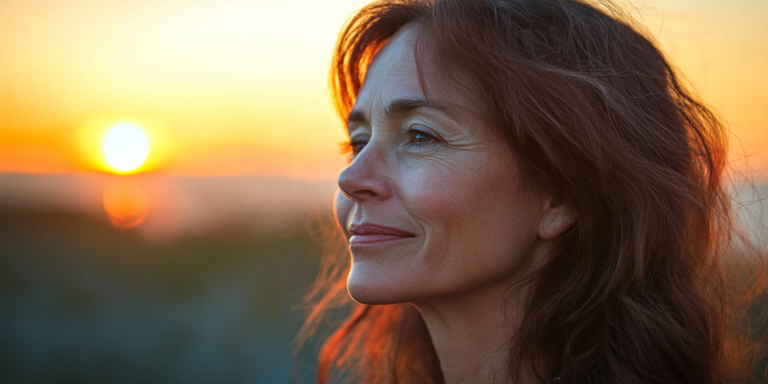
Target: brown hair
597 117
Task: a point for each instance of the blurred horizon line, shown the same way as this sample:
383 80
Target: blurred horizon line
176 205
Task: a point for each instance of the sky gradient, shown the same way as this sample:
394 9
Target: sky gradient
240 87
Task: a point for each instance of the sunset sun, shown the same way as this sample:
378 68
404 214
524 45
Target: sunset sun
125 147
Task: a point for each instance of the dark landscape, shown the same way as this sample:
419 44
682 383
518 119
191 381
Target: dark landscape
84 302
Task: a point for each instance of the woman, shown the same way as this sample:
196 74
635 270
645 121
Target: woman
533 196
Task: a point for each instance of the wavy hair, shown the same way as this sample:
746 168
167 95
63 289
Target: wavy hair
597 117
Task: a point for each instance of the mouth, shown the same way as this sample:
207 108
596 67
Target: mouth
370 234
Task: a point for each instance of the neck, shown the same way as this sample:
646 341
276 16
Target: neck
471 332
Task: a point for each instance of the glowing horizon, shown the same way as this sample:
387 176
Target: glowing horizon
240 88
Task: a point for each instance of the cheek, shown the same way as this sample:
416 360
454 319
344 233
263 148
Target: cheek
479 225
342 207
446 197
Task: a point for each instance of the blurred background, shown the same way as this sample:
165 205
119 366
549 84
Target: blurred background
165 166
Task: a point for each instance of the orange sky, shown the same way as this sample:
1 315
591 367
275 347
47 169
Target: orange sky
239 87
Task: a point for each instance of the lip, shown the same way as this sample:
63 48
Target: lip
370 234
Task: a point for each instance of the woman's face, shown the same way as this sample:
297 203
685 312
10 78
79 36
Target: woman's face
432 203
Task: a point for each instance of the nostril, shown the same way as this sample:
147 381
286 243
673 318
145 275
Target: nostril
366 193
364 189
358 194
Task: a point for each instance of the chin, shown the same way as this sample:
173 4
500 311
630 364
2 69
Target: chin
374 285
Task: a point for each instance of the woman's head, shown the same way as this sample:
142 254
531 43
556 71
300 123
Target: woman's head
432 199
572 117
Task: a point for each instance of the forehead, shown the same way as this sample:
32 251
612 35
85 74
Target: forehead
393 74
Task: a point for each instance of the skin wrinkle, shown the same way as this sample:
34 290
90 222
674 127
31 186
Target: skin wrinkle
449 137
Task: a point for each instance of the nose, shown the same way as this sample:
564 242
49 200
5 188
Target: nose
365 178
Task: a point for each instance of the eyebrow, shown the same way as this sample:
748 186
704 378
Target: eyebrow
398 107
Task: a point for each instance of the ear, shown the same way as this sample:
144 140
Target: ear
557 219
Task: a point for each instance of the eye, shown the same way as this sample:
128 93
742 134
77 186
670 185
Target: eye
418 137
354 146
421 137
357 145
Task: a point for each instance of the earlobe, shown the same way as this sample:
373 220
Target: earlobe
556 220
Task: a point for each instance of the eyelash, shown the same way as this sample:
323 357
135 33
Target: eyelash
351 146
